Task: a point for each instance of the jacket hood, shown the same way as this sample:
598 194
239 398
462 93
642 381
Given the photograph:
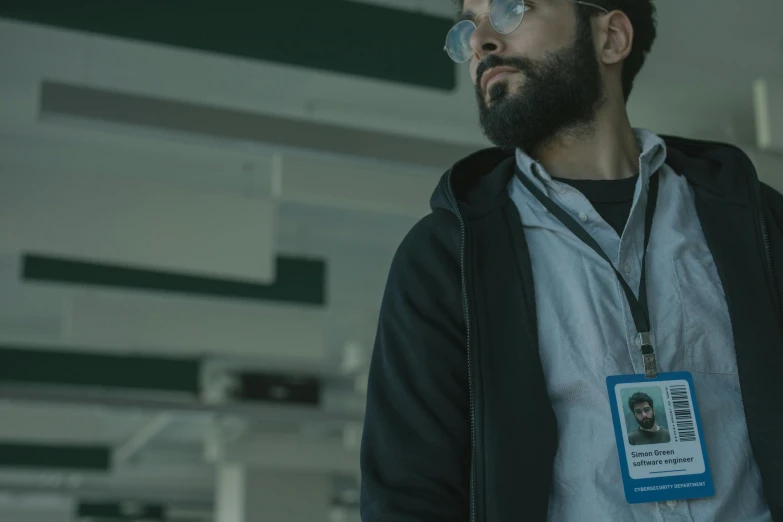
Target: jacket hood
478 182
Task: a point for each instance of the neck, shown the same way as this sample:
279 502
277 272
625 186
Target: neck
606 150
654 428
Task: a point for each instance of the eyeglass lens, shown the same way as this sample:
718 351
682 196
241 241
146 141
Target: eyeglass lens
504 16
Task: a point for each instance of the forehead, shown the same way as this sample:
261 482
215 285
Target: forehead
472 8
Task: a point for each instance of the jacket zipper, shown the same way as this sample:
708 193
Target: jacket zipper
466 313
768 251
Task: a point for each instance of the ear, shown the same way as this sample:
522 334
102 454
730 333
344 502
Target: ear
617 32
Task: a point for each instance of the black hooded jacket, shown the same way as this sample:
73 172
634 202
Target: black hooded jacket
457 344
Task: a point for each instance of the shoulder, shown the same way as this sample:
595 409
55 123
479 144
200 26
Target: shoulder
425 270
435 238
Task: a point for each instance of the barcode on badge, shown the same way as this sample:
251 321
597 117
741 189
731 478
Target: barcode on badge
684 424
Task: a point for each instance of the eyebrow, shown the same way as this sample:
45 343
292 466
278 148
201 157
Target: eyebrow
470 15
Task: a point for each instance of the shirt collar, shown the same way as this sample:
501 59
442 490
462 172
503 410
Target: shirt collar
652 158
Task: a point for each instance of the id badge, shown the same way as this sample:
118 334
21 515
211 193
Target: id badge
659 437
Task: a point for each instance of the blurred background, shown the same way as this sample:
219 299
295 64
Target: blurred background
199 204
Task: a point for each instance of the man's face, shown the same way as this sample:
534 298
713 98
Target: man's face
644 414
556 86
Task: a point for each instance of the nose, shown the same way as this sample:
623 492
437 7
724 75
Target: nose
485 40
480 18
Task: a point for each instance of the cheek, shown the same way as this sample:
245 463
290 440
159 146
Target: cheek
543 34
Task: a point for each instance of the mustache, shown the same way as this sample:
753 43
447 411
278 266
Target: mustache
519 63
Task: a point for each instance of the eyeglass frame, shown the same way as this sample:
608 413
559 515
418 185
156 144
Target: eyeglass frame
445 47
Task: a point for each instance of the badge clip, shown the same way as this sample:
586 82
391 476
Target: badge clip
648 355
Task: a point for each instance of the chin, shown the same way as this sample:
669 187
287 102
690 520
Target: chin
501 90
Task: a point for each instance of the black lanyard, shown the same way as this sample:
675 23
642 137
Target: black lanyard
639 310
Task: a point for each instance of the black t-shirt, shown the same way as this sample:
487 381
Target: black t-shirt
611 198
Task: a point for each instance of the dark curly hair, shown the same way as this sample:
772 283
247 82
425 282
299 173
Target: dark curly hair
642 15
638 397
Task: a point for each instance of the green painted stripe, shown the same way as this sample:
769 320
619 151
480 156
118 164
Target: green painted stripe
300 281
121 511
332 35
26 365
71 457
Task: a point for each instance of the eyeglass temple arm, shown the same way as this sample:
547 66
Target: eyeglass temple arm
591 5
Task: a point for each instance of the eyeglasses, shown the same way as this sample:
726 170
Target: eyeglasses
504 16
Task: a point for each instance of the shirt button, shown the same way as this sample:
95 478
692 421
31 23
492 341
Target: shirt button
671 503
583 216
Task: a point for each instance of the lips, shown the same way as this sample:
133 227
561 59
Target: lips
492 73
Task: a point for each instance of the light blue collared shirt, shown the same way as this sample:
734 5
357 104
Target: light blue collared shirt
586 332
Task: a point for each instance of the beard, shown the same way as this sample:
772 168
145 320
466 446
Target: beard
647 423
559 95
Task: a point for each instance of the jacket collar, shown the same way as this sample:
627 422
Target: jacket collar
721 169
479 181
